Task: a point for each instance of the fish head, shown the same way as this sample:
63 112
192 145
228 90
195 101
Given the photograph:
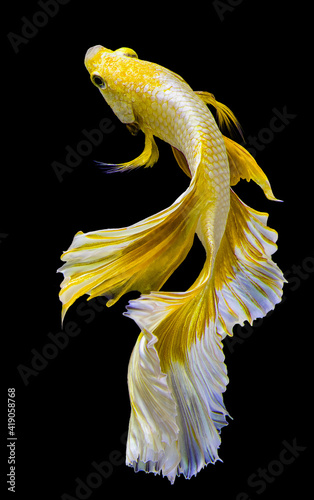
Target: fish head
113 73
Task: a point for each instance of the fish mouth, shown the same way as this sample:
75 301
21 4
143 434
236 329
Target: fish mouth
91 53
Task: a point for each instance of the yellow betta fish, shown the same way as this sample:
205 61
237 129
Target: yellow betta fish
176 374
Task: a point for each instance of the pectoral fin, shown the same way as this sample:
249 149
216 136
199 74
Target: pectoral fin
147 158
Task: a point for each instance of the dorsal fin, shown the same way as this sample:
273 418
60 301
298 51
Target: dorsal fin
243 166
225 116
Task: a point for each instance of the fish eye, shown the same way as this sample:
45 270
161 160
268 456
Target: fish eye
98 81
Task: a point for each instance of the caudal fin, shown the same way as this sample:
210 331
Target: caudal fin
181 339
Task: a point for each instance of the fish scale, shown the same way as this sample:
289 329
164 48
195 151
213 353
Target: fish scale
193 124
176 374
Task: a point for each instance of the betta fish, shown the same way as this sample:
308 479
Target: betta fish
176 373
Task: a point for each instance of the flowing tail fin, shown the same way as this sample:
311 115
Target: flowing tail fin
177 374
179 341
140 257
180 353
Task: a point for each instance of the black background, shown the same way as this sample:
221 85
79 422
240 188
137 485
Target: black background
75 410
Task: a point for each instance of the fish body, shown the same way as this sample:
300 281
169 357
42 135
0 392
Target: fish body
176 374
164 105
